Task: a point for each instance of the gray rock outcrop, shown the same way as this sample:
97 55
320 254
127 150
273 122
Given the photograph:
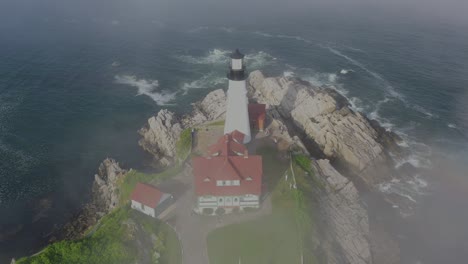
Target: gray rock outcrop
162 131
104 198
345 218
160 136
325 118
211 108
105 186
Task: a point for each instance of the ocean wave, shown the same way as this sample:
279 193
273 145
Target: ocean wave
345 71
146 87
214 56
388 88
207 81
281 36
219 56
198 29
450 125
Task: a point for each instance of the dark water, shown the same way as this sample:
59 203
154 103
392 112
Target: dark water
76 85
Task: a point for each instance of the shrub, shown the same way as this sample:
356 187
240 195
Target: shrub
220 211
208 211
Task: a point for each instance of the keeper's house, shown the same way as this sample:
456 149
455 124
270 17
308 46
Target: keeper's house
228 177
150 200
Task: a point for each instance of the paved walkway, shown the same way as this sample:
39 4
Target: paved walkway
193 229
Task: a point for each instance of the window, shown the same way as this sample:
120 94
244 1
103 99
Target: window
219 183
227 183
235 200
236 182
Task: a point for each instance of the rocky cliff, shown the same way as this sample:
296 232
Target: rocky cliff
104 198
325 117
162 131
322 120
347 221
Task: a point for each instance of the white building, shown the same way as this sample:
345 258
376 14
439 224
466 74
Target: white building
150 200
227 177
237 113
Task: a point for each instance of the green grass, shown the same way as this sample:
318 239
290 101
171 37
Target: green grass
217 123
268 240
130 180
112 242
281 237
184 145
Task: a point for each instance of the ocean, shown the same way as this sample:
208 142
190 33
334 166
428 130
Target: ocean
75 89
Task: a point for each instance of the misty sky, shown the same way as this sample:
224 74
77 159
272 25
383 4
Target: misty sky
231 12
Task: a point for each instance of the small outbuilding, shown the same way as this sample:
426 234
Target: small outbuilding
257 115
150 200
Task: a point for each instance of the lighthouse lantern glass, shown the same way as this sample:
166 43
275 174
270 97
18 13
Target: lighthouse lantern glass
236 64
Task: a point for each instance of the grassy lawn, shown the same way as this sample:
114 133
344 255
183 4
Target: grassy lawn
114 241
281 237
130 180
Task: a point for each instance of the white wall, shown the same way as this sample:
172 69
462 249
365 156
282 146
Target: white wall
237 113
220 201
143 208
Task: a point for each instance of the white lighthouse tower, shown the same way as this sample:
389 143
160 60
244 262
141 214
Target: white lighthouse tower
237 113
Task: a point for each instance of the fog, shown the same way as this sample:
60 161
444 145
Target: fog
438 230
239 11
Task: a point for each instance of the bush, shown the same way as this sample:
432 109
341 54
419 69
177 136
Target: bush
208 211
220 211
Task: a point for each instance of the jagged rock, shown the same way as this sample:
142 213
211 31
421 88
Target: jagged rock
161 133
104 198
160 136
105 190
346 219
212 107
324 116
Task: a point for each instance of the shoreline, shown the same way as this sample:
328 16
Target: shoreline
211 108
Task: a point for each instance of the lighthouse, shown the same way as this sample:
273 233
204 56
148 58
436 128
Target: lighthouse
237 114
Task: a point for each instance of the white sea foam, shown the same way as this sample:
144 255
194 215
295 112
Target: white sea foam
450 125
227 29
207 81
281 36
146 87
219 56
115 64
396 188
388 88
198 29
288 74
345 71
214 56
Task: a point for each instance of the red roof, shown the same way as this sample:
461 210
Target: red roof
228 145
257 111
207 171
146 194
237 136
